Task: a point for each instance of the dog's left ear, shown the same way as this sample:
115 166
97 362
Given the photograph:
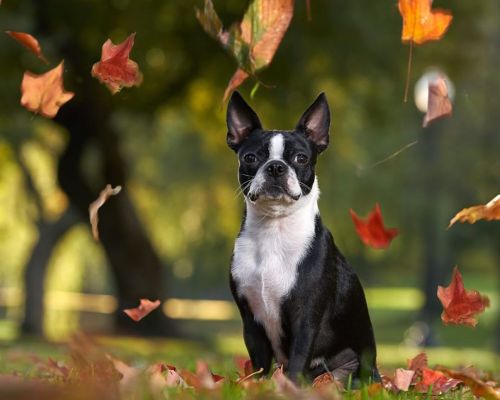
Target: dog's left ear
315 123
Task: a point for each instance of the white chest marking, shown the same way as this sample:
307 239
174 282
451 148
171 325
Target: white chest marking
266 256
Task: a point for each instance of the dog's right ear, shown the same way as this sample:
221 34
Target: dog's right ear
241 121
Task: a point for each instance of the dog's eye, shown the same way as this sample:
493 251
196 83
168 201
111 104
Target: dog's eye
301 158
250 158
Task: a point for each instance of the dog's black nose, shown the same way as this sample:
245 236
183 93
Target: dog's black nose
276 169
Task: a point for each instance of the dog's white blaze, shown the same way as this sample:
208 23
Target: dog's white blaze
266 257
277 147
276 151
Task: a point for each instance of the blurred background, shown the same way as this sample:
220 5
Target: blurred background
169 234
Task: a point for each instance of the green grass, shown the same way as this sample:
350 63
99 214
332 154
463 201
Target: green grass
17 357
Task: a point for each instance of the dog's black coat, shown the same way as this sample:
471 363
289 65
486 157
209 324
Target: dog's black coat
325 315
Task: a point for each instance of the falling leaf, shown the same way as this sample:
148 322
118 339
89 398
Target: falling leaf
144 308
44 94
403 379
28 41
439 104
440 382
116 70
460 305
94 207
489 212
253 42
372 231
422 24
476 385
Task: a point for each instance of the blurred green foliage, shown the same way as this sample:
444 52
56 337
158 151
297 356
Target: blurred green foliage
183 176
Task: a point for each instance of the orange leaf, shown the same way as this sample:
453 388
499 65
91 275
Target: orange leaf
44 94
439 104
144 308
489 212
236 80
372 231
105 194
421 23
115 69
460 305
28 41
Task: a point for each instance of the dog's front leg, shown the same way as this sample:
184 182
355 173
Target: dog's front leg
304 332
256 340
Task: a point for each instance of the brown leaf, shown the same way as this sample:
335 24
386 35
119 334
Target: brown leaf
129 374
417 364
28 41
476 385
489 212
236 80
460 305
403 379
44 94
283 384
143 309
438 103
94 207
254 41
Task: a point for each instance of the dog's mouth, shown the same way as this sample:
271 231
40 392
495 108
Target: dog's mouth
273 193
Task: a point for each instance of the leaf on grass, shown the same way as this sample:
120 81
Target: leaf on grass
115 69
44 94
489 212
417 364
440 382
283 384
94 207
460 305
202 378
421 23
254 41
403 379
143 309
438 104
28 41
372 231
476 385
130 375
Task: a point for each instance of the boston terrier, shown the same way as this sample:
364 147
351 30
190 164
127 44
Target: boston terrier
300 301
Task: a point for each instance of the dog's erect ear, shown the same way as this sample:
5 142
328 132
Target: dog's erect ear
315 123
241 121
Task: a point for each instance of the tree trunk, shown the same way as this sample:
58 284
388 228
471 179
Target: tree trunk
49 234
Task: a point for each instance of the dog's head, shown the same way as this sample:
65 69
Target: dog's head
277 166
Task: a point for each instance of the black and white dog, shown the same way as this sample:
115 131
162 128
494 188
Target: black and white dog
301 303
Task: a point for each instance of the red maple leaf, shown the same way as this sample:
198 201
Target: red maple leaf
144 308
460 305
440 382
116 70
372 231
